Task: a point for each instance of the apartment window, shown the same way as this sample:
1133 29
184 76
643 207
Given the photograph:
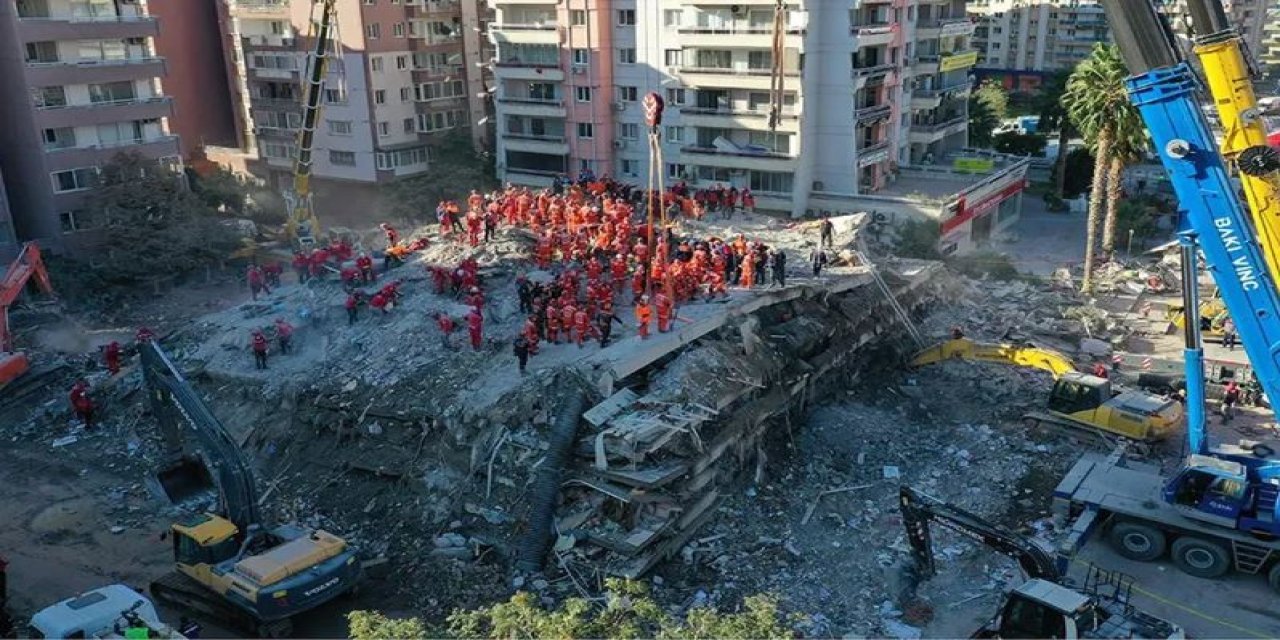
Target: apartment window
380 96
59 138
673 57
375 63
384 129
117 133
49 97
335 96
369 2
628 167
439 120
344 158
776 142
582 94
715 59
586 130
275 149
629 131
577 17
112 92
406 94
627 56
402 63
626 17
581 56
408 125
760 59
74 179
397 29
671 17
373 31
675 134
771 182
339 127
628 94
42 52
676 171
75 220
675 97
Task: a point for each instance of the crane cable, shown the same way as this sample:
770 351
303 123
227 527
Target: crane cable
653 107
777 75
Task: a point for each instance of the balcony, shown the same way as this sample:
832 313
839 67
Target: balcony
75 157
73 115
730 78
46 74
533 143
536 107
945 27
928 133
524 33
738 36
727 118
745 160
872 113
932 98
104 27
873 35
283 42
274 73
259 9
873 153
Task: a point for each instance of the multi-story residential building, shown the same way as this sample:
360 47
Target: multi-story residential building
400 74
192 48
8 238
81 83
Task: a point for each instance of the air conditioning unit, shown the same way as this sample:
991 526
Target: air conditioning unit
619 144
737 10
619 106
579 69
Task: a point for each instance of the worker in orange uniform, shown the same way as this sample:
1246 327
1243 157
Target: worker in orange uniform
567 312
474 324
637 282
581 326
474 222
665 310
259 349
553 323
445 322
81 403
643 314
284 334
111 355
749 270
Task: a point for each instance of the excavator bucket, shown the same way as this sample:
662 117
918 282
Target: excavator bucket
186 479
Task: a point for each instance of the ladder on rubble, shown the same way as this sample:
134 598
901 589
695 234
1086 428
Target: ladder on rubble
888 295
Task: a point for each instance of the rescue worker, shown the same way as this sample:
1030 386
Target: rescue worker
350 276
301 266
445 322
826 233
581 326
259 349
351 304
525 292
1100 370
272 271
818 260
380 302
257 284
81 403
665 308
604 325
365 264
521 349
474 324
145 334
475 299
1230 397
778 261
393 236
643 314
749 270
531 334
111 354
284 333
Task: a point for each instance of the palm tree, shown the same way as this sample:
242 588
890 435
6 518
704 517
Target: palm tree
1128 142
1098 105
1053 115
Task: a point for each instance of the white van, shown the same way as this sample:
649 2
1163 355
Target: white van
105 612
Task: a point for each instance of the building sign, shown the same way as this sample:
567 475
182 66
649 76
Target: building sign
873 158
957 28
966 212
973 165
958 61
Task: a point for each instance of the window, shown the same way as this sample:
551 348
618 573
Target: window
375 63
373 31
408 125
676 171
581 56
715 59
675 96
112 92
628 167
626 17
75 220
369 1
397 29
60 138
442 90
339 127
673 57
771 182
384 129
380 96
760 59
627 56
629 131
402 63
577 17
49 97
117 133
406 94
74 179
628 94
439 120
675 134
345 158
335 96
275 149
582 94
42 52
586 130
671 17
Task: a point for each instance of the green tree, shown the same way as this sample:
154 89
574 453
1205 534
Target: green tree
1078 173
1019 144
371 625
1099 106
1047 103
988 106
455 169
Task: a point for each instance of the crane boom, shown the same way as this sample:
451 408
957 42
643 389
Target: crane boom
26 266
303 227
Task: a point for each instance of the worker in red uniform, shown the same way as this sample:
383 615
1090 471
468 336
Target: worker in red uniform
365 264
380 302
301 265
440 277
474 324
81 403
445 322
476 300
393 236
1100 370
665 308
473 228
257 284
637 282
351 304
531 334
259 349
284 334
581 326
553 323
271 271
350 276
112 356
643 314
145 334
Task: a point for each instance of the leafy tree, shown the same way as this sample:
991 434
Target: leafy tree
988 105
1047 103
238 196
1099 106
455 169
1021 144
627 612
1077 173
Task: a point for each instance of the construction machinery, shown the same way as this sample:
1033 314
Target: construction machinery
26 266
1077 400
1045 606
1218 511
229 565
303 227
113 611
1213 316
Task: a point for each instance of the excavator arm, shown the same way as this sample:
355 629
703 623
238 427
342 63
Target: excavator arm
26 266
918 510
178 408
1022 355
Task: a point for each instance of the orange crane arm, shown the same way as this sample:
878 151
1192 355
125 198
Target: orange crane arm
26 266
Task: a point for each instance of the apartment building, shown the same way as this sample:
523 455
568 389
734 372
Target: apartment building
81 82
191 45
868 86
400 73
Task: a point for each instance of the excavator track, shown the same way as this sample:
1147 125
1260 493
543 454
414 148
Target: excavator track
1069 427
181 591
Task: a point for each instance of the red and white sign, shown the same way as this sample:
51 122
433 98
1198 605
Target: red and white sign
966 212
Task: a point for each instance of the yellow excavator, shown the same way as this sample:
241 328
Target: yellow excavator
1077 400
1213 315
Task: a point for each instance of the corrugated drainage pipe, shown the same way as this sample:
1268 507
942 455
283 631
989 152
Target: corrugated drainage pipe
546 488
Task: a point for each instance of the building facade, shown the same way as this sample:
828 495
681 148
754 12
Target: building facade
81 83
867 86
400 73
190 44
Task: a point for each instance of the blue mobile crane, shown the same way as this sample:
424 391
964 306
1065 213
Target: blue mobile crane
1218 511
